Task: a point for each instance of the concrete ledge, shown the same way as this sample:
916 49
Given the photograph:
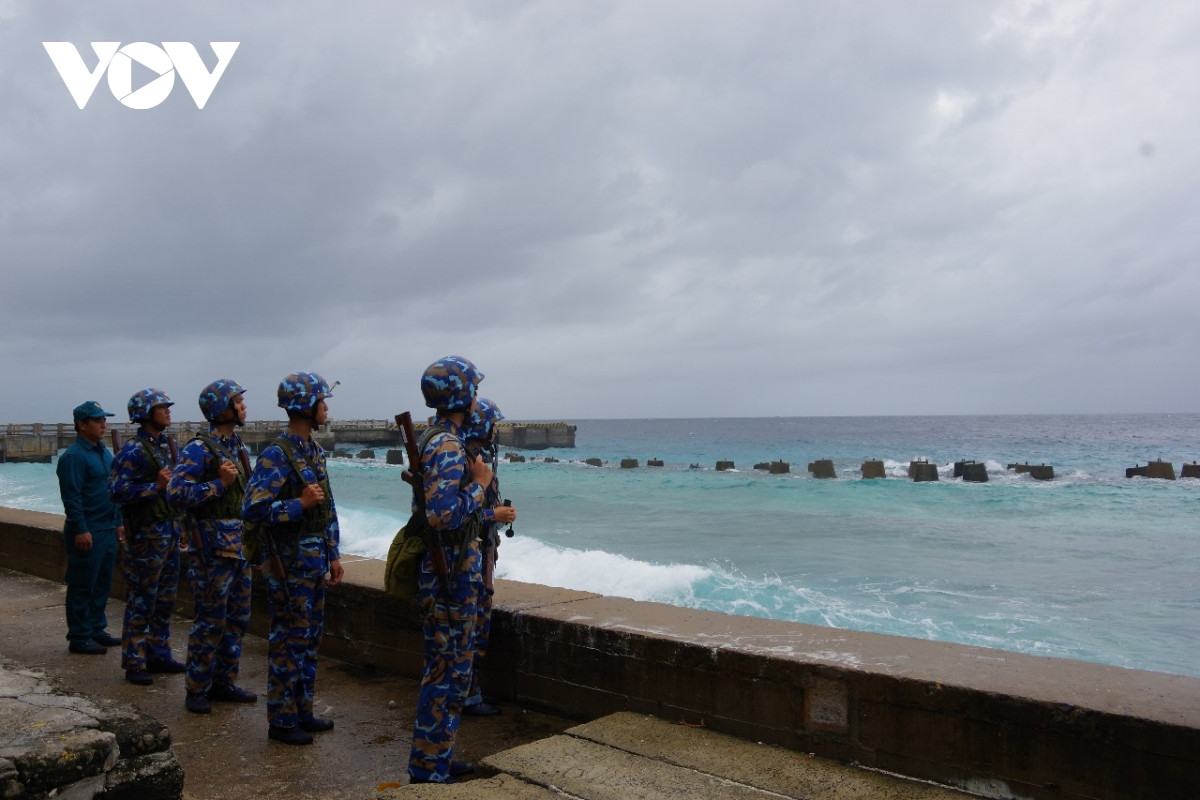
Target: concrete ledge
56 743
994 723
631 755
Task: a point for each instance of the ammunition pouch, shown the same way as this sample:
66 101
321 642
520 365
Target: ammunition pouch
316 519
141 515
228 505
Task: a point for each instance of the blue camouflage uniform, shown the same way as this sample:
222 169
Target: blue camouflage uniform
219 573
151 564
83 471
305 543
452 503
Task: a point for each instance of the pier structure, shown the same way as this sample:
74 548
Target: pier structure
521 435
40 442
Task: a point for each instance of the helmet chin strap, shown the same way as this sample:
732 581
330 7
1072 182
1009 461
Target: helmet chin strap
310 414
237 418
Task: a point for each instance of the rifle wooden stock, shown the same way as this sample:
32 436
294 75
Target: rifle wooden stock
274 562
193 533
190 528
489 563
408 438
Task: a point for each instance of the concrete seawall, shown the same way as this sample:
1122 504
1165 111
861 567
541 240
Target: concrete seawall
995 723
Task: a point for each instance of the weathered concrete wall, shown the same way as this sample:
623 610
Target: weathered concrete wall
997 723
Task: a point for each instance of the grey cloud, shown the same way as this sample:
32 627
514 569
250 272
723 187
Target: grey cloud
937 201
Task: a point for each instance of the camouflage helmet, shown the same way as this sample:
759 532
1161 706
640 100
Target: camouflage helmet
467 364
449 383
218 396
143 402
301 391
481 424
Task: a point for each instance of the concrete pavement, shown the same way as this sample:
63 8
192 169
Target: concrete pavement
521 753
226 754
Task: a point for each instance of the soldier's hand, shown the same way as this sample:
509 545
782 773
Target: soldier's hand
505 515
228 473
311 496
164 475
83 542
481 473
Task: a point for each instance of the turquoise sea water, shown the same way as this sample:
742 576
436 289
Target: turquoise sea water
1091 565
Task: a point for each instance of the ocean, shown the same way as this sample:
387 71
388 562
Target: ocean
1091 565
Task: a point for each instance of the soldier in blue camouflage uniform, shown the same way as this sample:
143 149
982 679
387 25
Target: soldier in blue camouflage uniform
479 434
138 482
210 480
289 491
452 497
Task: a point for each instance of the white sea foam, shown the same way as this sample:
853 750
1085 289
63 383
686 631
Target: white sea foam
528 560
368 533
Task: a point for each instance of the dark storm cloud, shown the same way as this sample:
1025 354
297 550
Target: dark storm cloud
617 208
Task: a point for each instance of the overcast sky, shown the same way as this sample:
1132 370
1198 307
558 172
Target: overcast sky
616 209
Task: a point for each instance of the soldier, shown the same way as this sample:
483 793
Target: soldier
289 492
138 481
91 531
210 479
479 434
449 581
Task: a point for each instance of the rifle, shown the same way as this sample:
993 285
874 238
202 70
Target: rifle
244 460
491 552
414 477
509 532
274 562
189 522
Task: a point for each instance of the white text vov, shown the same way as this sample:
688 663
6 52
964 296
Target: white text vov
117 62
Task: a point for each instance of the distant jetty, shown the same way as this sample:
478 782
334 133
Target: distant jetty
39 442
